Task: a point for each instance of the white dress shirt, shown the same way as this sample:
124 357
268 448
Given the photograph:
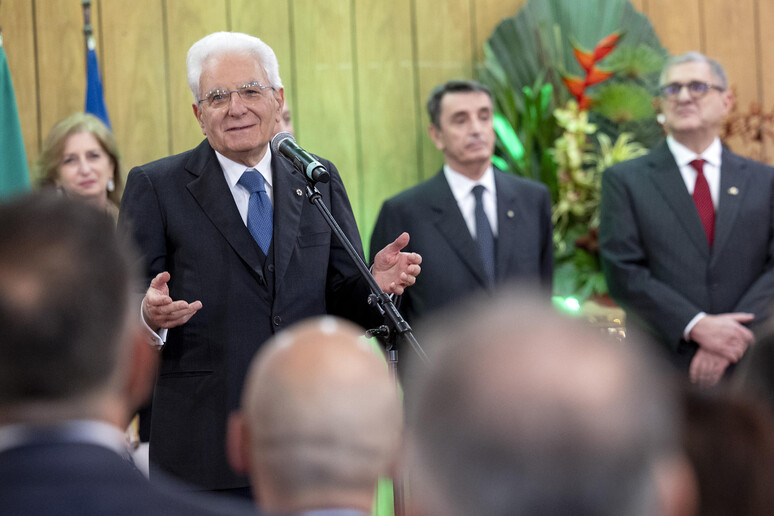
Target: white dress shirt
462 189
232 171
711 156
712 161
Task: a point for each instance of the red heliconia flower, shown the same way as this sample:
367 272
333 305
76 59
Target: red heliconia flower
606 45
597 75
585 58
575 84
588 60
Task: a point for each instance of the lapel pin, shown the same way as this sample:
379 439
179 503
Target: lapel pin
733 191
299 192
510 214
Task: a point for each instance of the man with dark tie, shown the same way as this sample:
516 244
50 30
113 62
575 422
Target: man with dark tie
233 252
687 231
475 226
75 365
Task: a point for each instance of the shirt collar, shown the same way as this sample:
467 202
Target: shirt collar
233 170
683 155
94 432
461 185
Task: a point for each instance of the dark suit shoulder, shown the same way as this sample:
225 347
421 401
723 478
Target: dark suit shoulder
522 184
429 188
742 162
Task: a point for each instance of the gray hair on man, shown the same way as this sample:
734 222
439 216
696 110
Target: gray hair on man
218 43
695 57
524 412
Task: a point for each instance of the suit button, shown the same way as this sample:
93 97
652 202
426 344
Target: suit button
271 267
277 320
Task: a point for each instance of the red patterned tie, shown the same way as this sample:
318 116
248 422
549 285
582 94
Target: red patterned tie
703 200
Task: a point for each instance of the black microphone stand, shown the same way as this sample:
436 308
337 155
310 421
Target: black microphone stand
395 326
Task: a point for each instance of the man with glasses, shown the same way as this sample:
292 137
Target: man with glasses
687 231
234 252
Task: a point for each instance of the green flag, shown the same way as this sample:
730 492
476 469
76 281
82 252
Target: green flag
14 175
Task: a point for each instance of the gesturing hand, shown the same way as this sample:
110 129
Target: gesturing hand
160 311
394 270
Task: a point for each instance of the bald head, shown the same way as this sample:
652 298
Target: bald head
525 412
322 415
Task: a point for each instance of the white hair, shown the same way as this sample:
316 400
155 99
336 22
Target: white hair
229 42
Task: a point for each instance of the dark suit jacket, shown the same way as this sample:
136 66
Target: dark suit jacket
87 480
184 219
451 262
657 262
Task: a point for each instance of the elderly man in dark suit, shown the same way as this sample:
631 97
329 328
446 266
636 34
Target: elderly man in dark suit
687 231
74 365
475 226
234 252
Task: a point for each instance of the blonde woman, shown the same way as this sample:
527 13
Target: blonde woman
80 157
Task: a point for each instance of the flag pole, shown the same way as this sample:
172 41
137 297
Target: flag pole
88 30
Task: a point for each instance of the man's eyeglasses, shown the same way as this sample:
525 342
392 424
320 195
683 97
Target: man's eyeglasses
696 89
249 93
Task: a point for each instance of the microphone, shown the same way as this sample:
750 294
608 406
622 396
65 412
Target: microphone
284 143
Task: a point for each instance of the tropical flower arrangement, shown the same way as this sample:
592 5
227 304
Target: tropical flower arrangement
564 113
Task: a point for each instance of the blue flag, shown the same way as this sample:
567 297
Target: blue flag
95 100
14 174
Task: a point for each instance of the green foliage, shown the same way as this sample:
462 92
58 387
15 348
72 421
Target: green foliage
636 62
622 102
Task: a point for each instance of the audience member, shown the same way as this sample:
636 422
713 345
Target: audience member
320 421
685 233
523 412
729 440
74 366
80 157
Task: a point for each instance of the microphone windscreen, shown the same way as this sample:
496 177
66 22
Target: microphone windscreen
278 139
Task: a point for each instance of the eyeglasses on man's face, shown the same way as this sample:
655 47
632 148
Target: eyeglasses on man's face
696 89
249 93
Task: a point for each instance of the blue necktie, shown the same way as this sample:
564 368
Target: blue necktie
259 210
484 236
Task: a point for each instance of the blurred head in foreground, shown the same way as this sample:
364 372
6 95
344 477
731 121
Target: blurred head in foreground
320 420
72 346
526 412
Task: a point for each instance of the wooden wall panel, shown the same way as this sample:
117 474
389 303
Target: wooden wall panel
737 54
444 51
678 24
270 21
325 87
765 71
135 79
19 43
187 22
61 59
387 105
357 92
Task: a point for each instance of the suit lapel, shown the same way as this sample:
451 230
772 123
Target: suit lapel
669 182
732 179
451 225
288 182
509 217
211 191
